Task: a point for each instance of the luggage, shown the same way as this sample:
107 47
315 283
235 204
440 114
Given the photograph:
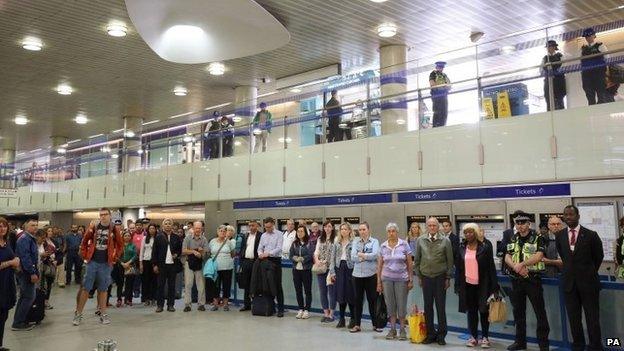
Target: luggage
381 312
417 326
262 306
37 310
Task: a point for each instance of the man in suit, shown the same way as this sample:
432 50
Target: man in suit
581 251
166 254
248 255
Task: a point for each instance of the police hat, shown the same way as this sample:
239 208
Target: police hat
263 105
440 64
521 216
587 32
552 43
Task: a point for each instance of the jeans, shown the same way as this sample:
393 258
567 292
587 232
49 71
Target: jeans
327 293
435 292
26 299
302 279
73 261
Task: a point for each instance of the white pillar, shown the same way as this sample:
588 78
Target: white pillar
133 129
192 149
245 98
393 80
7 167
575 96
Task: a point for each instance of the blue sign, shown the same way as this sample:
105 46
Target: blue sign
517 191
316 201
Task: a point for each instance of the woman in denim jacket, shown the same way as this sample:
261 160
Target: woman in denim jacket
341 271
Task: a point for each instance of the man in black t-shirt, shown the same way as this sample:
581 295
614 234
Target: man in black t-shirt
523 256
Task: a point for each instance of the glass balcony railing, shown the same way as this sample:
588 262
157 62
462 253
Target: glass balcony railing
503 78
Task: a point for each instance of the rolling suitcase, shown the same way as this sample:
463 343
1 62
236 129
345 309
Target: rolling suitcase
262 306
37 310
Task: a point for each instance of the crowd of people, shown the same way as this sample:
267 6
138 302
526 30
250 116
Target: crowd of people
150 261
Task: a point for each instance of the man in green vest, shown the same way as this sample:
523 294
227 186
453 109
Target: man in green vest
524 258
440 85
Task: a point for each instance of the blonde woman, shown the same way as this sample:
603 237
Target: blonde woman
341 272
412 235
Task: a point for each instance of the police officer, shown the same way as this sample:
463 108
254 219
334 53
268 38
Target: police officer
524 259
558 78
594 69
440 85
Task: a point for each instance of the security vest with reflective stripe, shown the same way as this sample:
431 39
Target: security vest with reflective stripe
528 250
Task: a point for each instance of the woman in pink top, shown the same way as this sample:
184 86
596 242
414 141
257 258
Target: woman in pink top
476 273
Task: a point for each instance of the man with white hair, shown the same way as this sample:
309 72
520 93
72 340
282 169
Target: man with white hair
433 263
195 248
288 238
551 259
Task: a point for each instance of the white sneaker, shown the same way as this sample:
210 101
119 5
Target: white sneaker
299 314
305 315
77 319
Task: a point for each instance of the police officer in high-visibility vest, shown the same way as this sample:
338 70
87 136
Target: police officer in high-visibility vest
524 259
553 72
440 85
594 69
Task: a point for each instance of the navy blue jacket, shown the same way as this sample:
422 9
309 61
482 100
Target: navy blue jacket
28 253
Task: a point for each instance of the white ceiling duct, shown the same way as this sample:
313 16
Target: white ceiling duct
201 31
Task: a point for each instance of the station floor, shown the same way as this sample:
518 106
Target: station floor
140 328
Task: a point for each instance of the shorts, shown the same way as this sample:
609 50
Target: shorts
97 273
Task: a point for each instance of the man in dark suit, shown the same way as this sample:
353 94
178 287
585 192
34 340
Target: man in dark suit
581 251
248 255
166 261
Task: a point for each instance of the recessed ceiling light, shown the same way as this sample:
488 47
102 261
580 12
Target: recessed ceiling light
117 29
61 150
237 143
105 149
216 69
81 119
236 119
140 151
400 122
32 44
386 30
295 90
180 91
508 49
115 156
21 120
129 134
64 89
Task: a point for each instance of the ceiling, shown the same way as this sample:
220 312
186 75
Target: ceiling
113 77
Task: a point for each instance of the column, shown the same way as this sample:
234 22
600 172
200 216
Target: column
393 80
58 168
7 166
575 96
245 98
133 129
192 144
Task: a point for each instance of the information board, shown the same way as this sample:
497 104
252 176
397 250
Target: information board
600 217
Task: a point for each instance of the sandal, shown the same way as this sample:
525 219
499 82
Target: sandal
355 329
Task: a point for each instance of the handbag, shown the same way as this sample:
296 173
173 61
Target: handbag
498 309
381 312
417 326
319 268
48 270
132 270
210 267
194 263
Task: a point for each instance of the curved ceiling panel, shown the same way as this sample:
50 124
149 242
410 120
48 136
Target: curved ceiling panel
200 31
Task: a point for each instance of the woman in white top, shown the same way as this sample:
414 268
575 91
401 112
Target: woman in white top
148 282
222 249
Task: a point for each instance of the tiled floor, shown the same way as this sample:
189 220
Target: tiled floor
139 328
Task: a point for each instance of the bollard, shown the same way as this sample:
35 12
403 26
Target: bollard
107 345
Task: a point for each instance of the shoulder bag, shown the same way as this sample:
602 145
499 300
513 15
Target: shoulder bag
210 267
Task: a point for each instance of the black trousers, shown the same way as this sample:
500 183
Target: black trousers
246 270
277 262
440 110
434 292
4 314
584 301
129 287
335 133
118 277
368 286
166 278
557 95
473 313
73 261
148 282
46 284
594 85
303 282
531 288
223 285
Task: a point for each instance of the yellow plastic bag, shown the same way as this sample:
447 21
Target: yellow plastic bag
417 326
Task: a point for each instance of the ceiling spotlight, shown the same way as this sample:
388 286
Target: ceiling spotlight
129 134
237 143
140 151
216 69
64 89
386 30
180 91
105 149
400 122
117 30
61 150
114 156
295 90
475 36
286 140
508 49
236 119
32 44
21 120
81 119
257 131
